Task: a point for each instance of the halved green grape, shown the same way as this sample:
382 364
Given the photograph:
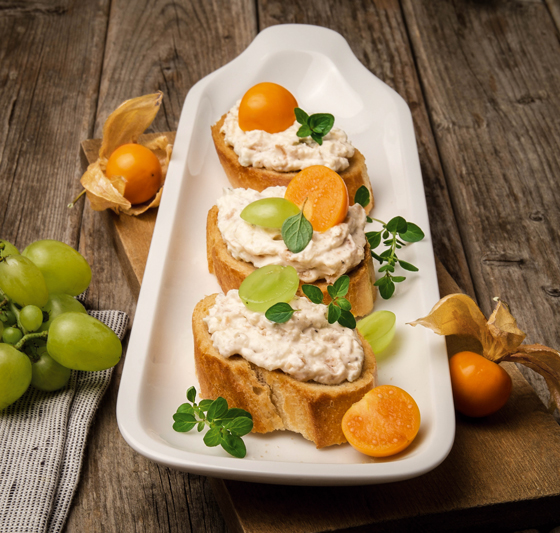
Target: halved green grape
267 286
48 375
58 304
15 374
378 329
65 269
269 212
11 335
22 282
31 317
7 249
81 342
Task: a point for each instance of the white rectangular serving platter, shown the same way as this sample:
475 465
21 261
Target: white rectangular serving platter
319 68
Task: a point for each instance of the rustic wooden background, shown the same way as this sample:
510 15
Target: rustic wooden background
481 79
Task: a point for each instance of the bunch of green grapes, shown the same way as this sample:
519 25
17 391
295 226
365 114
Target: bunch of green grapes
44 331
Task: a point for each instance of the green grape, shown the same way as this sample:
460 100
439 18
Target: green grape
269 212
9 249
15 374
81 342
48 375
11 335
58 304
267 286
31 317
22 282
378 329
65 269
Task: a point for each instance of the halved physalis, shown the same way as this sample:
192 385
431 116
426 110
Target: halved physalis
324 193
267 106
267 286
384 422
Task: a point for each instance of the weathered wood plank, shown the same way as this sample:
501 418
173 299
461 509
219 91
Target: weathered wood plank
168 46
376 32
491 72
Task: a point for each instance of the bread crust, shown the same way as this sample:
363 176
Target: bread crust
276 400
260 178
231 272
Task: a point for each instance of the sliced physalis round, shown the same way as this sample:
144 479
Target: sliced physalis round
267 106
384 422
324 193
140 170
267 286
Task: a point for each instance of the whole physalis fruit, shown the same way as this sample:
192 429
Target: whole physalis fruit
140 169
324 194
480 386
267 106
384 422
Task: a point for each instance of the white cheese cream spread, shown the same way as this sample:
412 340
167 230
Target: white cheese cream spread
285 151
306 347
328 255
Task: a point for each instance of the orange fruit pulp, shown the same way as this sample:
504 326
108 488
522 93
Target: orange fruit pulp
384 422
324 193
267 106
139 167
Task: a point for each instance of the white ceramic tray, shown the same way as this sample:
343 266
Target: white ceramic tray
319 68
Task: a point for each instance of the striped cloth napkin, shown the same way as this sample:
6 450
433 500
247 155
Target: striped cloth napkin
42 441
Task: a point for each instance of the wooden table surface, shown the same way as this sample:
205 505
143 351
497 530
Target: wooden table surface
481 79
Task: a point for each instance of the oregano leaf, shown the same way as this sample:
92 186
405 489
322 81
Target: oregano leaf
297 231
313 293
280 312
362 196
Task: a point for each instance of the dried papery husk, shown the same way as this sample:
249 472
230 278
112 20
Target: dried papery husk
125 125
458 314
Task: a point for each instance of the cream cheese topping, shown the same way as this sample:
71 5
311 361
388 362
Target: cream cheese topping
328 255
285 151
306 347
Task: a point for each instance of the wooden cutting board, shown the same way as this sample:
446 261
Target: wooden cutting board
503 472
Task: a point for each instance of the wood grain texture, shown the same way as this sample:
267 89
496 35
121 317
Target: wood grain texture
168 46
377 34
496 120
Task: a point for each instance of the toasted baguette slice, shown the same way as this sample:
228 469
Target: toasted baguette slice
231 272
275 400
260 178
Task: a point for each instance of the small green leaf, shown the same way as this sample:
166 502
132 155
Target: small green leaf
301 116
333 313
191 394
218 409
317 137
344 304
213 437
397 225
413 233
398 279
183 422
186 408
204 405
387 290
347 319
200 426
332 291
313 293
377 257
235 412
408 266
234 446
382 281
369 219
304 131
386 254
362 196
240 426
374 238
341 285
279 313
385 234
321 123
297 231
384 268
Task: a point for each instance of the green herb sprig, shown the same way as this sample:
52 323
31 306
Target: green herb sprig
227 425
315 126
338 309
297 231
393 234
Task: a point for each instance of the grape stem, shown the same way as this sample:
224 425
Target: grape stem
71 204
30 336
15 311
